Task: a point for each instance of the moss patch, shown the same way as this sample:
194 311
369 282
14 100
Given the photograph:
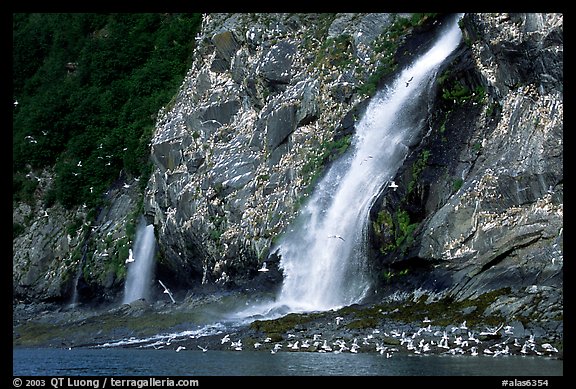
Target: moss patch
108 326
443 312
283 324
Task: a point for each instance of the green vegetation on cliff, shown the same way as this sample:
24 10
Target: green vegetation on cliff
87 89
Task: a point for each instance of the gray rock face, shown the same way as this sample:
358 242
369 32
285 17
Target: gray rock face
276 65
64 248
231 155
502 226
515 49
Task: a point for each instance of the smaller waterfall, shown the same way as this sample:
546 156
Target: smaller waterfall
75 298
140 264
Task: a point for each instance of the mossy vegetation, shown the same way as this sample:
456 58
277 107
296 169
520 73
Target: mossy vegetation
398 227
456 92
457 184
442 312
108 326
396 230
404 234
335 52
389 276
386 46
284 324
328 152
417 169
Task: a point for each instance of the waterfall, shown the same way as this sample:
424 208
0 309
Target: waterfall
323 256
140 264
74 302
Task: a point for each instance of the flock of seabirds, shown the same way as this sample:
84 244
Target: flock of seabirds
427 339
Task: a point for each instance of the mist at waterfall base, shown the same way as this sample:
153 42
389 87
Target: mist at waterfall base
141 270
323 256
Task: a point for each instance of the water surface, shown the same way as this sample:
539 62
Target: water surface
149 362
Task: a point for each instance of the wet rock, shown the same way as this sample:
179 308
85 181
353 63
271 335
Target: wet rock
487 206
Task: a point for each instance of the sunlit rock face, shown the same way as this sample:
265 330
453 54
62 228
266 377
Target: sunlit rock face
233 153
487 210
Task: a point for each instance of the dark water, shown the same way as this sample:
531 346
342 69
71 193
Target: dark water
147 362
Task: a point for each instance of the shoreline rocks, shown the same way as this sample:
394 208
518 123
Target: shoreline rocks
200 323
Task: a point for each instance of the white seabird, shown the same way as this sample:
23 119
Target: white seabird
491 331
393 185
366 159
548 347
167 291
337 237
237 345
130 257
263 268
509 330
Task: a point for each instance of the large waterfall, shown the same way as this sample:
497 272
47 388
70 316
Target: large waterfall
140 264
323 258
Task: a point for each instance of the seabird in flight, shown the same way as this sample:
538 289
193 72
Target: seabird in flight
393 186
167 291
130 256
263 268
366 159
409 81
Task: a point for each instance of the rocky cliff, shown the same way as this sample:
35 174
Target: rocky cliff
271 99
480 201
268 102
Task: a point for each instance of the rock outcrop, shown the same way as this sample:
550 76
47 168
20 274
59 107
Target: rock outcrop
67 256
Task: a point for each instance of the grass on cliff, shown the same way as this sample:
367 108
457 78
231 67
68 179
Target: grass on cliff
275 328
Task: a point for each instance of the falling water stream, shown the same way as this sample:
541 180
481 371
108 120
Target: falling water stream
141 269
324 259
